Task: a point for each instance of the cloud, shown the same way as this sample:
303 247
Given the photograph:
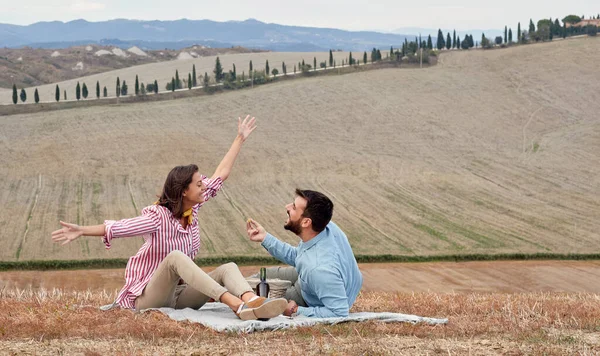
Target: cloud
86 6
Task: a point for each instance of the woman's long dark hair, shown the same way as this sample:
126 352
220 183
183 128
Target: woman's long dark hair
177 181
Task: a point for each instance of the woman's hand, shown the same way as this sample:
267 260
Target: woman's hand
68 233
246 127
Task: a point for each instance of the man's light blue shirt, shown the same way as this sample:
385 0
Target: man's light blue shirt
329 276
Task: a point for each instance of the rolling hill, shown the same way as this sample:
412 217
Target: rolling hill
487 152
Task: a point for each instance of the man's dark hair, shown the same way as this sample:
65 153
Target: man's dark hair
319 208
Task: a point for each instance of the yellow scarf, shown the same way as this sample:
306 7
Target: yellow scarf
186 214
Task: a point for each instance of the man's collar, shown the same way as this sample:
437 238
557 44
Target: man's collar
310 243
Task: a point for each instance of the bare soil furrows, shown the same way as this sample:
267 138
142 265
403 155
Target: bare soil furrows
432 277
488 152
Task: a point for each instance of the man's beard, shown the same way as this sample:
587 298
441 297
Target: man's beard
294 226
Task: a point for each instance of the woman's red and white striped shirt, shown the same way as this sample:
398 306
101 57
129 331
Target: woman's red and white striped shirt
162 234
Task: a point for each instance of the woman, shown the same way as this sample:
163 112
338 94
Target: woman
163 273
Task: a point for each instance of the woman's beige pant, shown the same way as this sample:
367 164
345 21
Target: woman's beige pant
164 289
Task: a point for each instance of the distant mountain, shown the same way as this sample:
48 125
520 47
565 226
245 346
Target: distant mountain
183 33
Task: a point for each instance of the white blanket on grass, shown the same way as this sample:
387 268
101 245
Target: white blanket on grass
219 317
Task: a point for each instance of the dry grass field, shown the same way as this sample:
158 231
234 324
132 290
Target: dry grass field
487 152
59 322
164 71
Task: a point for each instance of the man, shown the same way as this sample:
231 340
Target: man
326 278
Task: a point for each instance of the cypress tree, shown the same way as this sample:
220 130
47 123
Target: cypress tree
458 42
365 57
510 35
505 35
194 78
218 71
137 85
454 44
118 88
36 96
234 72
105 92
330 58
97 89
250 68
429 42
15 96
440 40
57 93
267 68
189 81
84 91
392 50
177 80
519 32
314 63
350 59
206 82
173 83
155 86
373 55
124 88
78 91
65 94
531 26
564 30
448 41
378 55
283 68
23 95
294 69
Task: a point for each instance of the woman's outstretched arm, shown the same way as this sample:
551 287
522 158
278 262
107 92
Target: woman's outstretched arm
70 232
245 128
147 223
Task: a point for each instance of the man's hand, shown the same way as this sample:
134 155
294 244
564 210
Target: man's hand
256 232
292 308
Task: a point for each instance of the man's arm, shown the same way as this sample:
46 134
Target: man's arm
327 284
282 251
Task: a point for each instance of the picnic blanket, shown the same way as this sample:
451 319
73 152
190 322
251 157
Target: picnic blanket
219 317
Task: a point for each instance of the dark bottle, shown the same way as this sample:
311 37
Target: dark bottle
262 288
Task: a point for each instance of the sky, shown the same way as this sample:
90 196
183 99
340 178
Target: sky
378 15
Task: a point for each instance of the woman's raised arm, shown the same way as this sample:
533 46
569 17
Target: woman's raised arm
245 128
